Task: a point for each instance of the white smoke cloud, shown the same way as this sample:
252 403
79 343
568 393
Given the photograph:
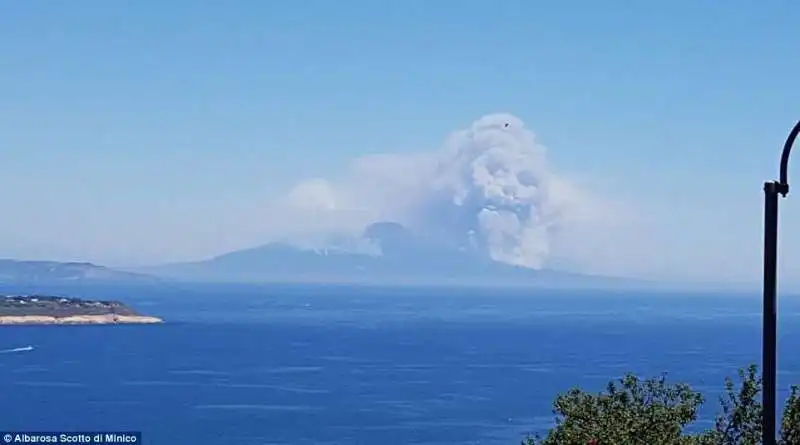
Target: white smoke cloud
489 188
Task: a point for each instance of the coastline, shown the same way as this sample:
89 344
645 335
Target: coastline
77 319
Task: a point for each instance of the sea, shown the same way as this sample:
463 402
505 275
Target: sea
314 364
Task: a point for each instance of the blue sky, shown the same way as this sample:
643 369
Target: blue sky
142 132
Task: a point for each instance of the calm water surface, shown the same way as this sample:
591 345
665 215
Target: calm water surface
347 365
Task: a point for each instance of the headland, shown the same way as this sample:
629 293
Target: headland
45 310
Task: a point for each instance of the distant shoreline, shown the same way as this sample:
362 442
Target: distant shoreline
55 310
7 320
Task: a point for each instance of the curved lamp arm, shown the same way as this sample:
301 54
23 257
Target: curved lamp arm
783 184
770 325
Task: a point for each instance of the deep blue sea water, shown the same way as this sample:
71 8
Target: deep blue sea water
348 365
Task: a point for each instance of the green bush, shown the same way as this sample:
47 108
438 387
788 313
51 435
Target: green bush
632 411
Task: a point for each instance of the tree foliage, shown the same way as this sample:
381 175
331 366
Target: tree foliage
631 411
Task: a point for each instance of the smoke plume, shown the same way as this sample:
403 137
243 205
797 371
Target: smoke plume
489 189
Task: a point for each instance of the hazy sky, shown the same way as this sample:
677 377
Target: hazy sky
145 132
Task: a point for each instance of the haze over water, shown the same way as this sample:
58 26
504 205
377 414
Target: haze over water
349 365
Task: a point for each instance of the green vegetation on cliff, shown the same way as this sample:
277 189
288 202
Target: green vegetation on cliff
632 411
53 306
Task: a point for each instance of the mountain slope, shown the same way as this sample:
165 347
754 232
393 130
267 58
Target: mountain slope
53 272
403 258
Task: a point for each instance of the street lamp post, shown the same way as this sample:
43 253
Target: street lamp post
770 327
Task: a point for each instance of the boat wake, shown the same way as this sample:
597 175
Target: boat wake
22 349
